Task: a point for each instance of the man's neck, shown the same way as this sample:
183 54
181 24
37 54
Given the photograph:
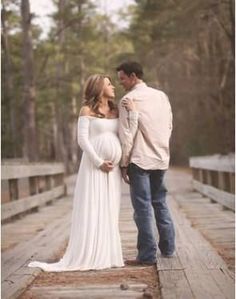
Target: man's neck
138 81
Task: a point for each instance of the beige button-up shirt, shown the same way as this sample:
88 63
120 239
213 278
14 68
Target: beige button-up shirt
149 149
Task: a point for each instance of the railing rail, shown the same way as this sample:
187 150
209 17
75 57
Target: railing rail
214 176
16 171
29 185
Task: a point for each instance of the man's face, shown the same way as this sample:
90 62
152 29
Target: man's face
126 81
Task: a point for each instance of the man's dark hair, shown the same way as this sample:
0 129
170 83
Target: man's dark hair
130 67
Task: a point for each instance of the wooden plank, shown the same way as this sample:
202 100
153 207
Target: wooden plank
13 287
174 285
185 276
15 273
209 216
222 197
16 207
37 247
196 202
15 171
194 251
27 227
219 230
169 263
214 162
199 251
198 258
187 255
90 291
225 234
195 210
211 259
203 221
217 226
203 285
225 282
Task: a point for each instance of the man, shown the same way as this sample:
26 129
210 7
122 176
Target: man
145 161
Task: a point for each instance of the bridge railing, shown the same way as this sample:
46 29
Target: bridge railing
214 176
26 186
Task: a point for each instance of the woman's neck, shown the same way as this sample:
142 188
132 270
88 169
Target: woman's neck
104 107
103 103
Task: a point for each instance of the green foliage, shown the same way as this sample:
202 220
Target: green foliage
186 48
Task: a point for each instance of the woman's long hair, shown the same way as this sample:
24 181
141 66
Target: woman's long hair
93 93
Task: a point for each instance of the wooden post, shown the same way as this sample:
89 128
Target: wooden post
30 186
5 191
221 181
48 182
204 176
13 188
52 181
33 185
200 173
195 174
227 181
209 177
23 187
41 184
214 178
232 183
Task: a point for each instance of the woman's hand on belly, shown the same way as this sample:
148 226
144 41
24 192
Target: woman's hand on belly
107 166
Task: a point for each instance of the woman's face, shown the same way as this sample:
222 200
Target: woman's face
108 89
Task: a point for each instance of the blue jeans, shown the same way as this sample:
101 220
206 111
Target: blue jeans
148 194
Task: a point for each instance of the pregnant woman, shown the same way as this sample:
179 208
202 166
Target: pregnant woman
94 241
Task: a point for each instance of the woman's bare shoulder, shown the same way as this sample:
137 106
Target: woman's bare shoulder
85 111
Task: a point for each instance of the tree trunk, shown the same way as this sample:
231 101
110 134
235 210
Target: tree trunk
29 95
74 144
80 51
8 80
232 23
58 126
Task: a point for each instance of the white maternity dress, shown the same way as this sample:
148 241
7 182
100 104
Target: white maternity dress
94 241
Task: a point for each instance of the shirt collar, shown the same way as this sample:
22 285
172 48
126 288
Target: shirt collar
139 85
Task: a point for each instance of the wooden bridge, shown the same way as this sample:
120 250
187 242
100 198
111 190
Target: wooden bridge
36 212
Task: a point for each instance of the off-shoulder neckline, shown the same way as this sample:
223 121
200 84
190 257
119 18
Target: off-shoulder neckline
89 116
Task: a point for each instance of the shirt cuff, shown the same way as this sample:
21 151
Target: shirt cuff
99 162
124 164
133 114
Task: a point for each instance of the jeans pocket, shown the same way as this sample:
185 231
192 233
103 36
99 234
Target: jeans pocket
135 169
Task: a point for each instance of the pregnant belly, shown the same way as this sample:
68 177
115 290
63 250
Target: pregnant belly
108 147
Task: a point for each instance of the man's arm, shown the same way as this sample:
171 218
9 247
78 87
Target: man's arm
128 125
170 114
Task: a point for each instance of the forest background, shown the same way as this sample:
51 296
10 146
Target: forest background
186 48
